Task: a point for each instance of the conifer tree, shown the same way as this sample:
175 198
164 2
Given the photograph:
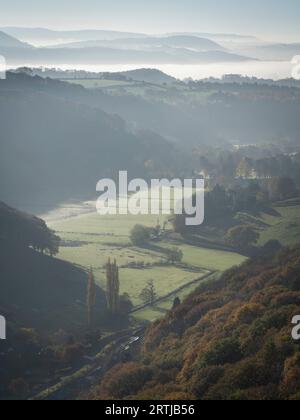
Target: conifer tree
112 286
91 297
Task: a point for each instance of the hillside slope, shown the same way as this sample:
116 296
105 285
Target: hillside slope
149 76
102 55
43 36
8 41
230 340
61 147
37 291
188 42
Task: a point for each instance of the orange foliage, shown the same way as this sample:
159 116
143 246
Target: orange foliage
231 339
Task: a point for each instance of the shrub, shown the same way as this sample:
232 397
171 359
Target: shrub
204 379
127 379
248 313
140 235
225 351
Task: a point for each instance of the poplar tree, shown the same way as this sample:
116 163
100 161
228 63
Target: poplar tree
91 297
112 286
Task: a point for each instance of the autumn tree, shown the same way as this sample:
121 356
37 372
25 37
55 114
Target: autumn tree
175 255
282 188
91 297
112 286
148 294
140 235
242 236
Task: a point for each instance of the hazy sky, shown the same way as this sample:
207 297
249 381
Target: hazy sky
269 18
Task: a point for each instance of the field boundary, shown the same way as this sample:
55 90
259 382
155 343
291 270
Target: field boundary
174 292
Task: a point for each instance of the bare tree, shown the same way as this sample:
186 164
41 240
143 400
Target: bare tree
148 294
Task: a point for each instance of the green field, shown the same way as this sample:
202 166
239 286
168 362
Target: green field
207 258
114 86
90 239
285 226
170 94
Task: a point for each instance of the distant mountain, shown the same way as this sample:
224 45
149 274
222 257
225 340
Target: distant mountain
188 42
194 40
100 55
228 41
8 41
45 36
218 36
89 47
273 52
42 36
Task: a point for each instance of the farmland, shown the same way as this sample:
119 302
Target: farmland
90 239
170 94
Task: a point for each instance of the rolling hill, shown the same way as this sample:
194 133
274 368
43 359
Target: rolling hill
109 47
44 36
63 144
7 41
103 55
188 42
274 52
37 291
149 76
230 340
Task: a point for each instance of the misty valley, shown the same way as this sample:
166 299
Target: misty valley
113 285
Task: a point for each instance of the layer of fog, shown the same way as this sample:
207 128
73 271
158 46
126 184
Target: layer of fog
264 69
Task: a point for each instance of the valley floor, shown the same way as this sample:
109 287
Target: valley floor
90 239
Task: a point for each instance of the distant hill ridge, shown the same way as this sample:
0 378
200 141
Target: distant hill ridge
62 120
148 75
179 41
7 41
44 34
139 75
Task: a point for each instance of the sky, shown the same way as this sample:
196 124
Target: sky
271 19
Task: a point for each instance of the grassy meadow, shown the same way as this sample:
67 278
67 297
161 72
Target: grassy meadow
284 226
176 92
90 239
